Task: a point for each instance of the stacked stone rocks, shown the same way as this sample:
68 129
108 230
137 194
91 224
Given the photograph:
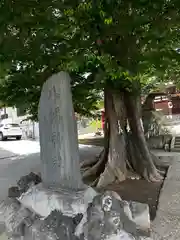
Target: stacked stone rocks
106 217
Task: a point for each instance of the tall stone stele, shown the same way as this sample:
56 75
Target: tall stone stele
58 135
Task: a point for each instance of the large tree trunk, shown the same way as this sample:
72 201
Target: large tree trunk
147 109
116 161
112 160
140 157
123 151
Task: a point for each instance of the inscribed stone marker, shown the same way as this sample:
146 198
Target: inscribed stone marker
58 134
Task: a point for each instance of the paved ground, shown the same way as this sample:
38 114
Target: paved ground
166 225
18 158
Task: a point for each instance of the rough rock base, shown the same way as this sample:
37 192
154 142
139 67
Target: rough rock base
44 214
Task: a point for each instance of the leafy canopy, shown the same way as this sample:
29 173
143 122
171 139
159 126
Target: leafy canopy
116 41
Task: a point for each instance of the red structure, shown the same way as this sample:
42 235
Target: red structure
102 118
163 103
168 101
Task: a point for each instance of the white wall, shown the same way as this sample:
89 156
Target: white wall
12 112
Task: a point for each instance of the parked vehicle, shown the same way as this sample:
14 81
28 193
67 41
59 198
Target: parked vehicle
10 130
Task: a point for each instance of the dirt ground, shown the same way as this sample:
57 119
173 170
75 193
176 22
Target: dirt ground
140 191
133 190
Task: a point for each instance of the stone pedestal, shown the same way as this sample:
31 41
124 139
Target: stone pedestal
42 214
43 200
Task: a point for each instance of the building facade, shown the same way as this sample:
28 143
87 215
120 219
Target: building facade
15 115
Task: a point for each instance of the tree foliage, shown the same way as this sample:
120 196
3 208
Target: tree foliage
118 42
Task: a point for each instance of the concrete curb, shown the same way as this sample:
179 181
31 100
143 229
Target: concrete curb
173 142
166 225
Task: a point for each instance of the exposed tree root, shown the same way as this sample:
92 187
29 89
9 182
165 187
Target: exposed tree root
90 163
98 167
103 173
161 172
84 169
147 170
111 175
134 166
95 182
155 159
152 176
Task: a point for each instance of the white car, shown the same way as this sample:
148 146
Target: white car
10 130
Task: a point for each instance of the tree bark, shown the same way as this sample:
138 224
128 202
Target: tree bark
123 150
147 116
116 162
143 163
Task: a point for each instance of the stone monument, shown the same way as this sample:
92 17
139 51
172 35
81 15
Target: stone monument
58 205
58 135
62 187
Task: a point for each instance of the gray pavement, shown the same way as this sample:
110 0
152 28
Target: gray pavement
14 165
6 154
166 225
